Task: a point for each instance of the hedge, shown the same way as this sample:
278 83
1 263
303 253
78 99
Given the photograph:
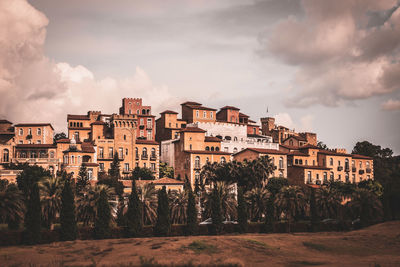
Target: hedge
15 237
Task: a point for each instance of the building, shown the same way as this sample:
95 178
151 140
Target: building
34 133
7 142
279 159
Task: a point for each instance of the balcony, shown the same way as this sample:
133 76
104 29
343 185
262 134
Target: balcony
125 171
361 171
34 160
137 157
141 126
197 167
145 157
153 158
368 170
149 126
353 169
340 168
347 169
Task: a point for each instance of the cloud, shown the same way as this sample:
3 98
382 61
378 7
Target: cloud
344 50
286 120
391 105
36 88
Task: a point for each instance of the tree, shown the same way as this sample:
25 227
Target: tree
322 145
50 199
83 180
366 206
68 229
12 206
33 217
242 211
29 177
142 174
59 136
274 186
328 202
291 201
372 186
191 224
365 148
313 210
87 203
166 171
148 198
112 183
134 223
114 170
216 212
163 224
103 217
227 198
179 202
257 199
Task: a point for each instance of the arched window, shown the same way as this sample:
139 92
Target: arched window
347 178
331 161
153 152
235 138
143 112
72 159
207 148
325 177
346 164
281 163
309 179
144 152
235 150
137 152
223 160
212 148
6 155
52 154
367 164
332 177
197 162
124 137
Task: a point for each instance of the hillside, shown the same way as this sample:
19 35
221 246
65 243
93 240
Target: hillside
373 246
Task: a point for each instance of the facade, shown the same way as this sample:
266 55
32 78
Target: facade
34 133
7 142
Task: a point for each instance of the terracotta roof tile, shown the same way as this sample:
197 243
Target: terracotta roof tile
207 152
264 151
146 142
33 125
77 117
230 107
193 129
191 103
212 139
169 112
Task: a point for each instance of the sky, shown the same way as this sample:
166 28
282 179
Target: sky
330 67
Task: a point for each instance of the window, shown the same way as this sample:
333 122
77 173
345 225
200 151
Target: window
110 152
360 164
149 135
354 178
197 113
124 137
211 114
126 151
332 177
204 114
126 167
347 178
169 125
6 155
331 161
90 173
207 148
368 177
223 160
367 164
217 149
29 131
212 148
197 175
197 162
72 159
313 162
149 123
235 150
226 149
141 133
137 152
101 166
306 162
153 153
339 163
21 131
296 161
353 164
38 141
121 153
281 163
153 167
301 161
79 159
66 159
39 131
144 152
190 147
101 152
144 165
137 111
309 177
346 163
325 177
141 122
339 177
76 136
52 154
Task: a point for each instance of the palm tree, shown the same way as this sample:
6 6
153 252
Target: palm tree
178 202
86 203
262 167
290 201
148 197
50 199
365 205
328 202
228 201
12 207
257 199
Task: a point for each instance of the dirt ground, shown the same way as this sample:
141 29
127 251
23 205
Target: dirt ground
378 245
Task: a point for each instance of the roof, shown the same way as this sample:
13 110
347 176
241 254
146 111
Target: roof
146 142
297 153
243 115
98 123
357 156
36 146
289 147
77 117
79 128
87 148
169 112
264 151
200 107
252 121
5 121
90 164
6 133
66 140
311 167
33 125
299 138
191 103
212 139
207 152
256 136
230 107
309 146
167 181
193 129
328 152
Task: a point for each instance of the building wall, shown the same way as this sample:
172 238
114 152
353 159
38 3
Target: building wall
148 162
223 129
168 152
45 136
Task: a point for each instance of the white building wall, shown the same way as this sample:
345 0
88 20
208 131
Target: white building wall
168 152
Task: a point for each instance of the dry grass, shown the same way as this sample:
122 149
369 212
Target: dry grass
374 246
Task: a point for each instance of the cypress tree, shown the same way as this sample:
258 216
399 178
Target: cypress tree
114 168
121 218
103 217
163 224
270 217
313 211
191 211
82 180
242 211
33 216
216 212
67 214
134 214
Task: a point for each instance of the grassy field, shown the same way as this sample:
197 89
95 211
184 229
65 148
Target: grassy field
378 245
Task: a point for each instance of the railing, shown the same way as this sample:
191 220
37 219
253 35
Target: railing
340 168
153 158
347 169
149 126
145 156
361 171
368 170
137 157
34 160
353 169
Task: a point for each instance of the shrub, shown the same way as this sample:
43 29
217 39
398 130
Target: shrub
191 226
103 217
134 214
33 217
163 224
216 212
68 229
242 211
